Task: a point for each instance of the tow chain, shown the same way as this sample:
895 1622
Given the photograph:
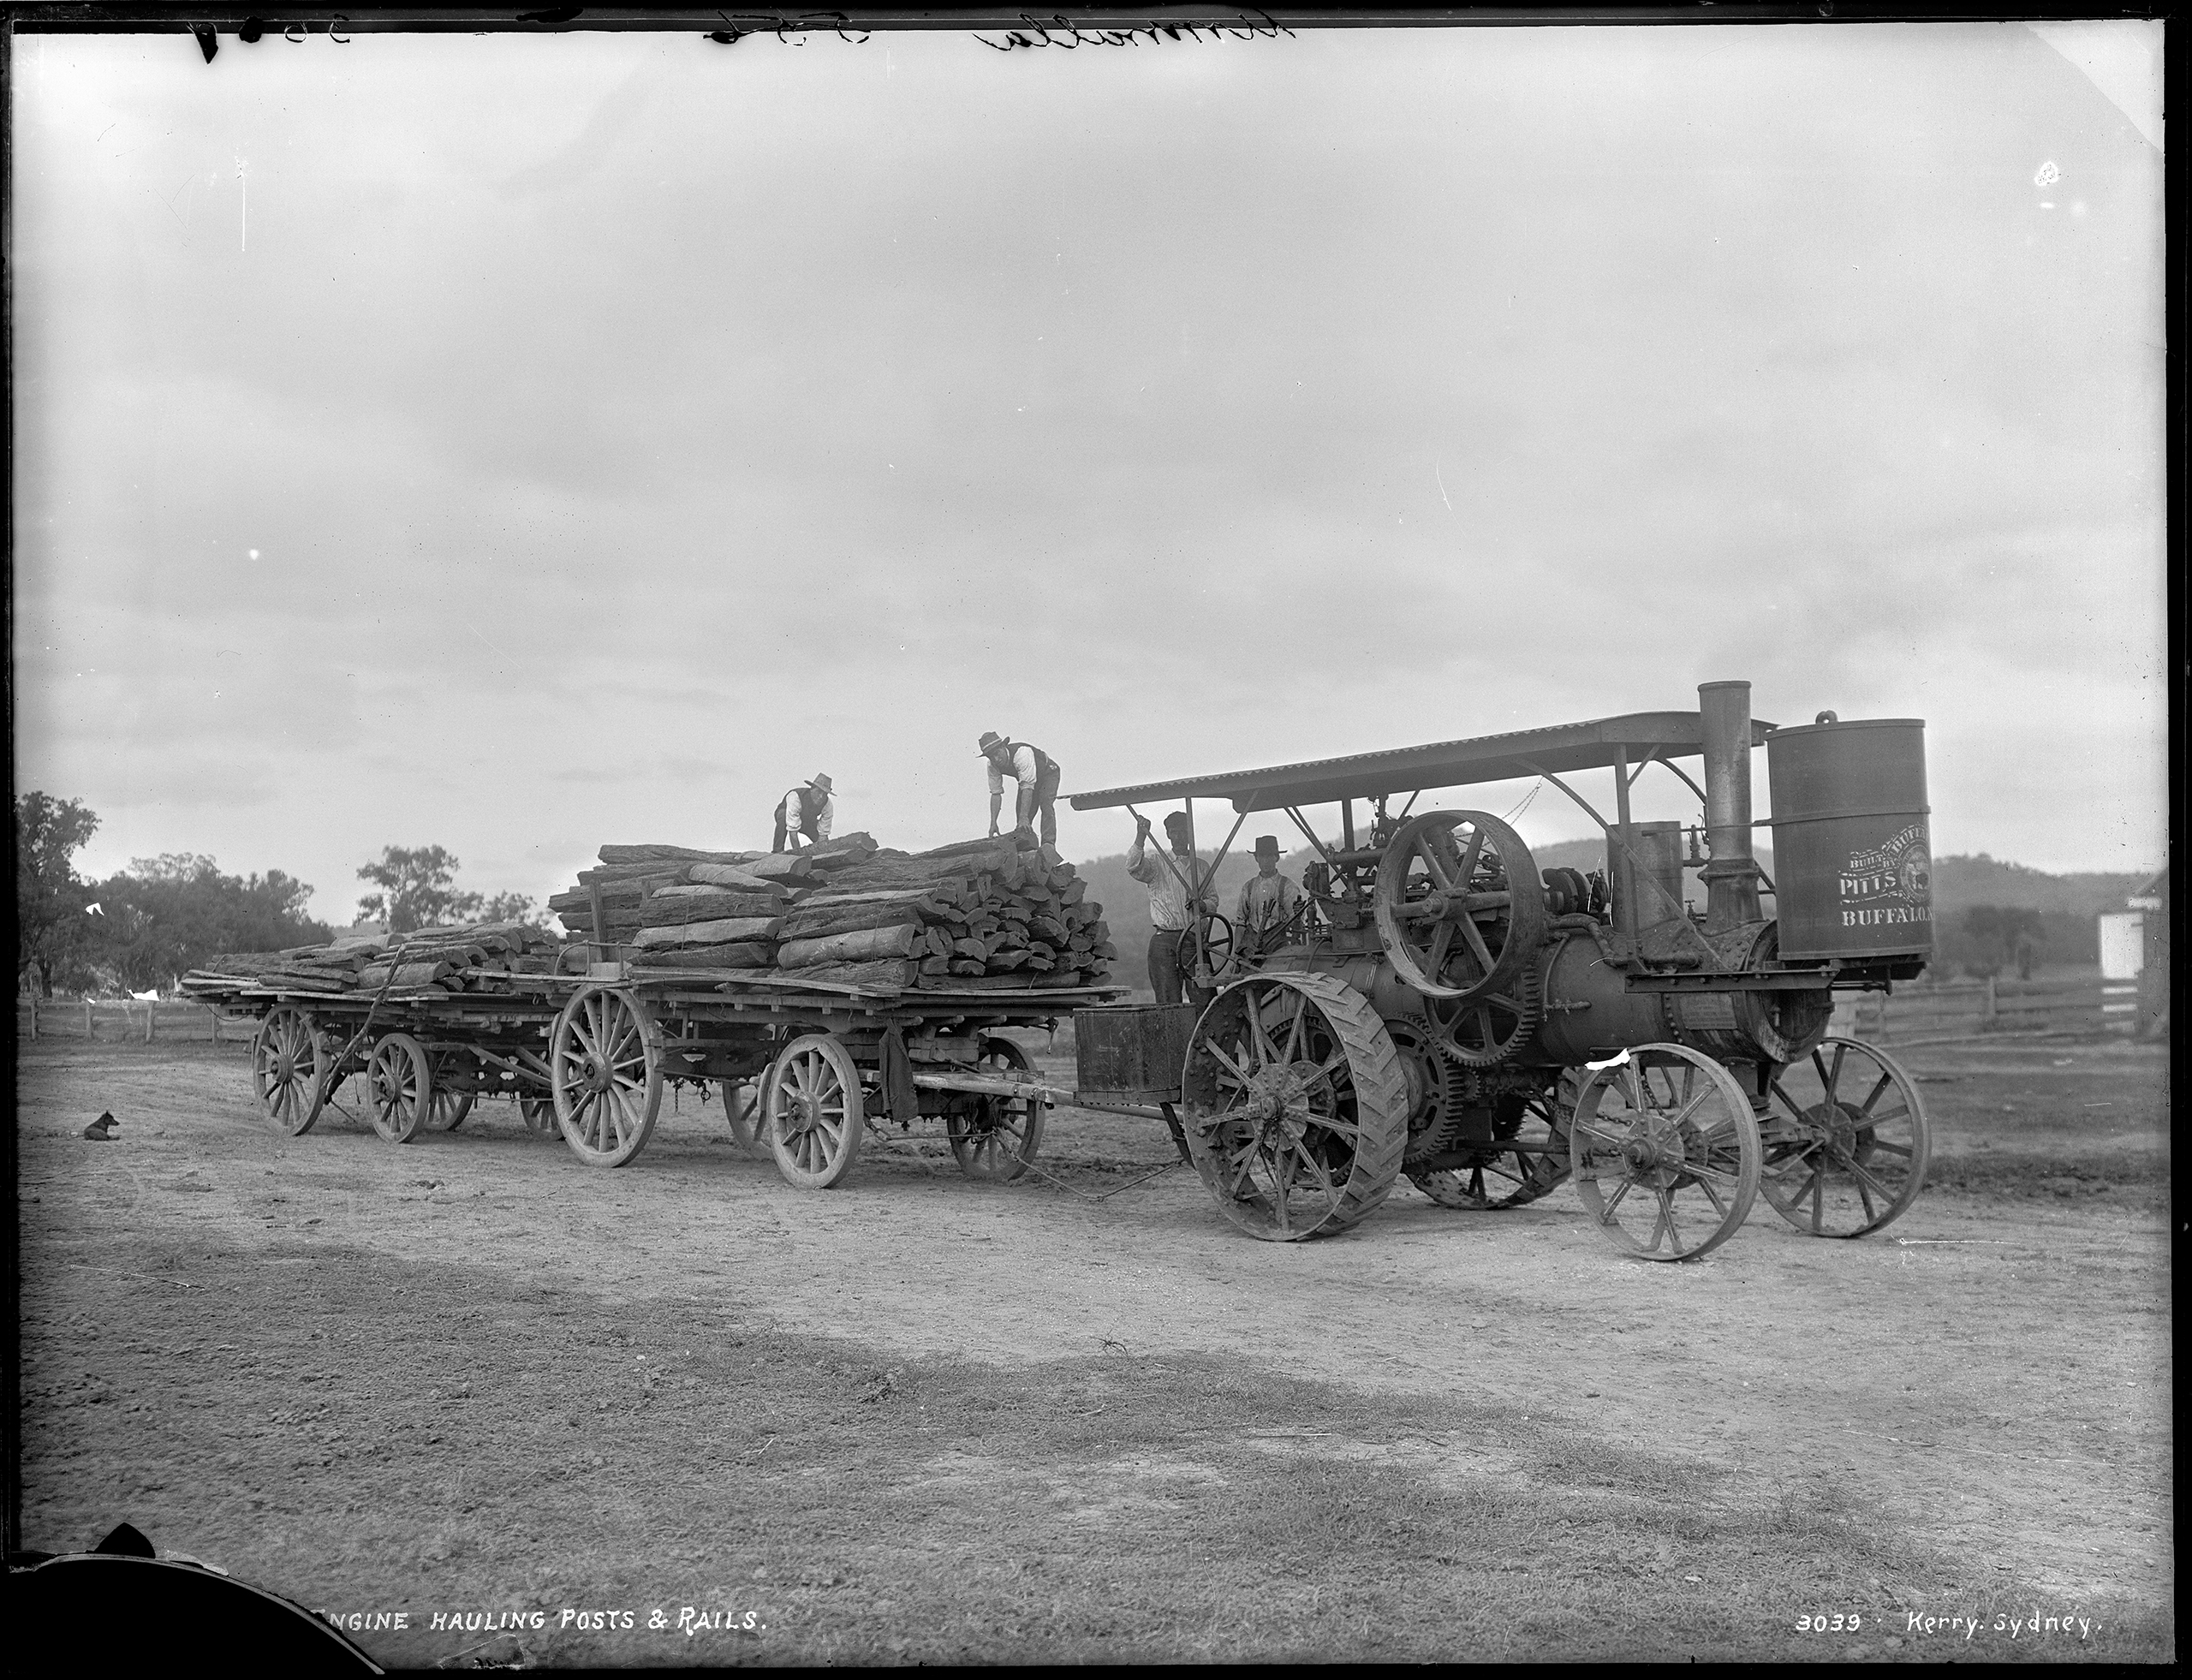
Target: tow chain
1084 1195
1049 1178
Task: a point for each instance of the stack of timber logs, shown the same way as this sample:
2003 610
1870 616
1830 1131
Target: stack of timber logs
979 915
677 908
432 962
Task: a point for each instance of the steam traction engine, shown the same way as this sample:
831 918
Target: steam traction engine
1440 1006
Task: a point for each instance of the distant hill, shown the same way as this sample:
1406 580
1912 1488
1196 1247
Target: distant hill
2068 904
1958 881
1126 903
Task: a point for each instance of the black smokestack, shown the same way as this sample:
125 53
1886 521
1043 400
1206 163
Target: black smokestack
1731 878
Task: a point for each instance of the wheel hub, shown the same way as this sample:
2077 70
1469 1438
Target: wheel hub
1835 1126
802 1115
1655 1147
597 1074
1277 1102
1844 1135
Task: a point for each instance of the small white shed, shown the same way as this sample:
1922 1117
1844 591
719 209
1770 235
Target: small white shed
2123 944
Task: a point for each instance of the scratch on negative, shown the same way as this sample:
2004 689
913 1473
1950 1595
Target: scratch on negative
1441 477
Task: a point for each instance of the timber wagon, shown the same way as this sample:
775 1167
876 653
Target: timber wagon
1439 1006
804 1068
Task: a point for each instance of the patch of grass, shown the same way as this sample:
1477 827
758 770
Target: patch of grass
361 1432
2093 1176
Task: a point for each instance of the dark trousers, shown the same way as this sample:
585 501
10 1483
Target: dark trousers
1045 801
1165 966
1164 977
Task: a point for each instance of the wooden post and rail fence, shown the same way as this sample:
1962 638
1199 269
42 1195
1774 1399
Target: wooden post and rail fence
114 1019
1945 1010
1949 1010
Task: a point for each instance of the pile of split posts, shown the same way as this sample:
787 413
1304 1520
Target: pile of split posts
824 993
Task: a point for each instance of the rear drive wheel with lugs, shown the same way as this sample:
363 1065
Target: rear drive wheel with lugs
1295 1106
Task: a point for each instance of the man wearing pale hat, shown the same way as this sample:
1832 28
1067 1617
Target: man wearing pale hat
805 815
1268 899
1036 771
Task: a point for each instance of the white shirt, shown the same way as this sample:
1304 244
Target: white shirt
1023 769
794 814
1168 900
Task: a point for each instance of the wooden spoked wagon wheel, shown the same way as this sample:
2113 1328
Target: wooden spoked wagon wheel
399 1086
452 1101
741 1107
813 1112
538 1114
447 1110
997 1140
604 1061
1846 1140
1664 1152
1295 1106
289 1069
1459 906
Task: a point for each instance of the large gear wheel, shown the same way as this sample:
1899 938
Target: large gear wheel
1438 1088
1486 1030
1527 1157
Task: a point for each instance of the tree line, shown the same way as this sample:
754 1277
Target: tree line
142 928
2010 941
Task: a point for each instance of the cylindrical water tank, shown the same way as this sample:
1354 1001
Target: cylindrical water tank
1853 866
1650 889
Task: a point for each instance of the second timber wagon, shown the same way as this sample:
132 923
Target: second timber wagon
590 1037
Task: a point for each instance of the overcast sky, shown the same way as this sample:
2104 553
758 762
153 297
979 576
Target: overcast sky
518 443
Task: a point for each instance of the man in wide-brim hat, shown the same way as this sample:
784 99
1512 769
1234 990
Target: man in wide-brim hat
804 815
1036 771
1268 900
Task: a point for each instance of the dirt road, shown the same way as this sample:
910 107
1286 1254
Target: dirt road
1992 1373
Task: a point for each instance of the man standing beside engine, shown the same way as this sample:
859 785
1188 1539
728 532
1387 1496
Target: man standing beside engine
1267 902
1036 771
1170 915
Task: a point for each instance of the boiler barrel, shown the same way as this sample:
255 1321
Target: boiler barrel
1852 861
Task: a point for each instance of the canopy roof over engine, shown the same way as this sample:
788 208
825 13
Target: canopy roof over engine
1603 742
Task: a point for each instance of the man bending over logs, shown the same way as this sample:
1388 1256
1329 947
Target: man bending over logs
805 815
1037 772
